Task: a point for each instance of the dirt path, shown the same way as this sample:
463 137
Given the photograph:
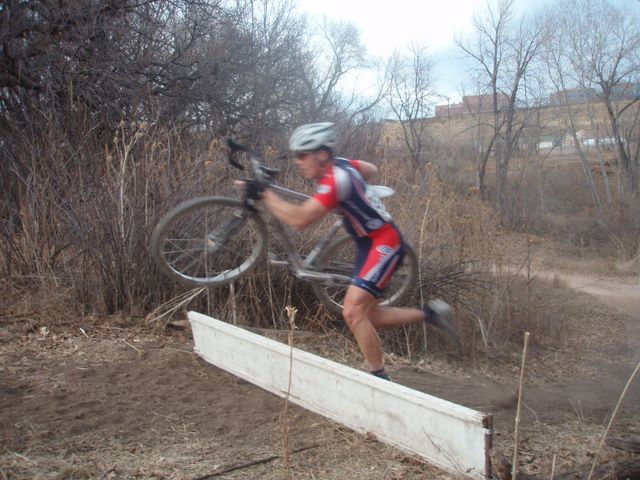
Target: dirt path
129 405
99 401
581 402
623 296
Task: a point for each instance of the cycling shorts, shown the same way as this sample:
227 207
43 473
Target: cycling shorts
377 258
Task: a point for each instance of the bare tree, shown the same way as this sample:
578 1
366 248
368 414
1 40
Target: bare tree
253 66
334 51
113 58
503 49
613 43
411 96
563 55
106 106
594 48
483 136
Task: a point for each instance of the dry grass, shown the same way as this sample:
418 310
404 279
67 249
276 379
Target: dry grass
78 244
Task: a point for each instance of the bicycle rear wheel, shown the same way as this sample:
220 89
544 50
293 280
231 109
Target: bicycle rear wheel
208 241
339 258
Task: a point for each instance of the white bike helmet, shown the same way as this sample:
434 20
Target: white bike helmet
313 136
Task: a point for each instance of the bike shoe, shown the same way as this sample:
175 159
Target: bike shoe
440 314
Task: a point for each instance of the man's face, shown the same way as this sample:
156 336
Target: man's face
311 164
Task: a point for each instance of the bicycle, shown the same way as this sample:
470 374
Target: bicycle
213 241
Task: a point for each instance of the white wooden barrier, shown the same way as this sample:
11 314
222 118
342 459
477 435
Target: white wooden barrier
450 436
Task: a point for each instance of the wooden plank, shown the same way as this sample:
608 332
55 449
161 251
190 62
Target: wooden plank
450 436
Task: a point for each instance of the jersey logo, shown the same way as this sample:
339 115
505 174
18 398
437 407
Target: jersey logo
322 189
384 249
374 224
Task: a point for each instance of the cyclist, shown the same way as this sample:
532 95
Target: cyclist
342 186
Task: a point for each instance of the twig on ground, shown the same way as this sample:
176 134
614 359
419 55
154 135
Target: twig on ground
174 304
422 302
613 416
106 474
19 455
232 297
514 465
291 313
259 461
168 417
133 346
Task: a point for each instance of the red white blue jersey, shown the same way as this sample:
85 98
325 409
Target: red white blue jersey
344 189
380 244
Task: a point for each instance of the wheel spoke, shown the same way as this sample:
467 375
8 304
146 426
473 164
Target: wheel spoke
207 241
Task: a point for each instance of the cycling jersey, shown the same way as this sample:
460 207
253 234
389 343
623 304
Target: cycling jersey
380 245
343 188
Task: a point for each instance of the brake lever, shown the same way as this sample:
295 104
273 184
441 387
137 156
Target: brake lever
264 174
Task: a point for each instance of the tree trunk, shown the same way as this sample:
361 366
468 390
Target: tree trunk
585 163
621 153
603 167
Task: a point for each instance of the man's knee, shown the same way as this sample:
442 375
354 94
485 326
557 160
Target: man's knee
354 313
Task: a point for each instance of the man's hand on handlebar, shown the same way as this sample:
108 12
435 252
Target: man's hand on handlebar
253 189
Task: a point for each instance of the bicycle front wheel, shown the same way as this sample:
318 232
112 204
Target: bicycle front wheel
209 241
339 258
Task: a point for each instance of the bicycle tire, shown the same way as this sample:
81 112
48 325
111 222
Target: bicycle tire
339 258
209 241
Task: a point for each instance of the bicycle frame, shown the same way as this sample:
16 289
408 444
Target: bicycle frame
301 267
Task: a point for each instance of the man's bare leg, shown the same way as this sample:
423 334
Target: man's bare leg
359 306
392 317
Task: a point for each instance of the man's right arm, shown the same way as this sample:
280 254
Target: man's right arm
296 216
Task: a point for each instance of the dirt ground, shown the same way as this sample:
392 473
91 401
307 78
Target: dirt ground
108 400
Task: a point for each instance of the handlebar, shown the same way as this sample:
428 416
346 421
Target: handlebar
262 173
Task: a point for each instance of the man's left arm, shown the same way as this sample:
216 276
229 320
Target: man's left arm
368 170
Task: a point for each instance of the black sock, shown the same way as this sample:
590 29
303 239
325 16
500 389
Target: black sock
381 373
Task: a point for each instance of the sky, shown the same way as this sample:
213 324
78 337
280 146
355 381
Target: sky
387 25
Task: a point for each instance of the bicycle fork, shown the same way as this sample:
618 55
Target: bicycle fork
217 239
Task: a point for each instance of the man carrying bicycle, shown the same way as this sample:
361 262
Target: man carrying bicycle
342 186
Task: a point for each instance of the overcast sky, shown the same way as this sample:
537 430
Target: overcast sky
389 25
386 25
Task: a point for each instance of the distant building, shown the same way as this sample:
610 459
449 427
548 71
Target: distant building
470 104
474 104
626 91
572 95
453 109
